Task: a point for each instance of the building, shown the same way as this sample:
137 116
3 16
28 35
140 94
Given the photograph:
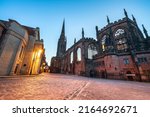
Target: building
75 60
61 49
121 51
78 59
21 49
124 52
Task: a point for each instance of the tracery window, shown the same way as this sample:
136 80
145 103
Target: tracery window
119 32
79 54
91 51
121 40
103 42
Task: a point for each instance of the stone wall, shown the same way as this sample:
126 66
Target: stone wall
28 56
22 49
8 56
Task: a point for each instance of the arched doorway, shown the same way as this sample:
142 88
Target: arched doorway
92 73
129 75
103 74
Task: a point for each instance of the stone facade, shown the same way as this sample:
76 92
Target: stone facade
20 49
121 51
124 51
61 49
76 60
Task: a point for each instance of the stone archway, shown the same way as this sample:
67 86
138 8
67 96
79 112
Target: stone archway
103 74
92 73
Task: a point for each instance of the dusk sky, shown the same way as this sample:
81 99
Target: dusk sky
48 15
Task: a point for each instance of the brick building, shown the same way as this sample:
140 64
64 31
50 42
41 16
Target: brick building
121 51
124 52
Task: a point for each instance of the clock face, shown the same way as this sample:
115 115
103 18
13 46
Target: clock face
119 32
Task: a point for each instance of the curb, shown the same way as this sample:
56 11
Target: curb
18 76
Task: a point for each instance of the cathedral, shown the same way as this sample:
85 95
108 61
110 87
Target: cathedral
120 51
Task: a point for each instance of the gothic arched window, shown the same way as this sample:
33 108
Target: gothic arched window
121 40
79 54
103 42
91 51
119 32
71 57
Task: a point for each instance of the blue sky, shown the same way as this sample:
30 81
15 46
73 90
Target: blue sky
49 15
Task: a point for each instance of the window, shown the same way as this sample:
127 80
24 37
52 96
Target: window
142 60
126 61
91 51
99 63
146 72
119 32
103 42
121 40
79 54
71 57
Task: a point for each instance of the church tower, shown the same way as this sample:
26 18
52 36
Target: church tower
61 47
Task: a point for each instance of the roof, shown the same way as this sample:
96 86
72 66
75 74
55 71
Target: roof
30 30
3 23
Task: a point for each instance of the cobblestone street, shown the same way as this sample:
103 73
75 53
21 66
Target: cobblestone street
68 87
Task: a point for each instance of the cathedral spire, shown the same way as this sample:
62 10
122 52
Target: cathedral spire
108 21
125 13
63 29
61 47
82 33
145 31
133 18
